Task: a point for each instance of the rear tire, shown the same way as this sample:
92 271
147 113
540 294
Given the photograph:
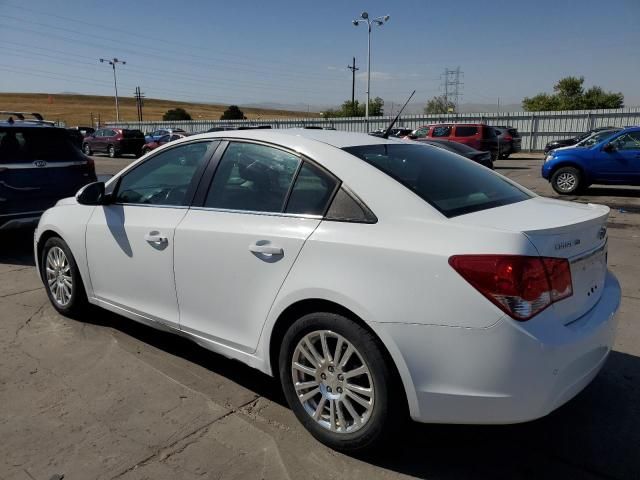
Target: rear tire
87 149
348 412
62 279
504 156
566 180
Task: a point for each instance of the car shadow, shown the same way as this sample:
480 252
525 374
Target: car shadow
597 434
506 167
612 192
17 247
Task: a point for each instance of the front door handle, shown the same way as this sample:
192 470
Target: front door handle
156 238
266 249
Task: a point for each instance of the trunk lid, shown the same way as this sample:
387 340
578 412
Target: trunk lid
559 229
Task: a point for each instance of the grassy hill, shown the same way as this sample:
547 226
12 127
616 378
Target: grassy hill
77 109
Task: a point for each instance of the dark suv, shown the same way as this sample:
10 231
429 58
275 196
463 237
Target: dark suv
39 165
509 140
114 141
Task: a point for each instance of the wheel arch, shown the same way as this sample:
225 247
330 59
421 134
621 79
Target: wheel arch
311 305
567 163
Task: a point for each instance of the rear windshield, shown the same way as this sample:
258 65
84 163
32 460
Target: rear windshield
450 183
132 134
37 143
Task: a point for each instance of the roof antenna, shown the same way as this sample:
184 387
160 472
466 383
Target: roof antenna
388 130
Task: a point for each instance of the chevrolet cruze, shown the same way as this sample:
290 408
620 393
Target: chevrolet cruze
372 277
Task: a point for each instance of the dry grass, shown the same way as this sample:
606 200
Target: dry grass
77 109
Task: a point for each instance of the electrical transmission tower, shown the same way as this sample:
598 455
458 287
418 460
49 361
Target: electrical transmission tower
451 84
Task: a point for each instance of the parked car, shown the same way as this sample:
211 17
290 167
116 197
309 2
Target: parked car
476 135
161 132
567 142
613 160
372 276
591 139
509 140
39 165
161 141
483 158
395 132
114 141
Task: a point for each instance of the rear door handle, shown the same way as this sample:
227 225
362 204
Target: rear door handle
156 238
266 249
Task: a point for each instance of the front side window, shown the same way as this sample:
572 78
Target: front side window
252 177
166 178
421 132
441 131
627 141
447 181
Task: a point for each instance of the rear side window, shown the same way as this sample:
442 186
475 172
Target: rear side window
441 131
311 192
448 182
466 131
254 178
30 144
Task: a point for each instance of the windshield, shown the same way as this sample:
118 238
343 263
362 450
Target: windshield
450 183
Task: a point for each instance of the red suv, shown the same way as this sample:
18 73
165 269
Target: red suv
114 141
476 135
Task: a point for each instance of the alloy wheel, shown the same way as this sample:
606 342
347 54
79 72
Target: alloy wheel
332 381
59 279
566 182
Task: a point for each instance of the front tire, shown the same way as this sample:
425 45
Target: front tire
111 150
62 279
86 149
338 382
566 180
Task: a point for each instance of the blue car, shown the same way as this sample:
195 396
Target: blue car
161 132
614 160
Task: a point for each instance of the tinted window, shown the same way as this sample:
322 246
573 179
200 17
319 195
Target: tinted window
441 131
165 178
27 145
252 177
447 181
489 132
132 134
345 208
466 131
311 192
628 141
164 138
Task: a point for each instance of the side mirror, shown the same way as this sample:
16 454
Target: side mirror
91 194
609 147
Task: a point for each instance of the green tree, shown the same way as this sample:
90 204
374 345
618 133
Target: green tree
439 105
176 114
356 109
376 107
569 94
233 113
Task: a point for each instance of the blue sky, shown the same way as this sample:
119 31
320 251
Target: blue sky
296 52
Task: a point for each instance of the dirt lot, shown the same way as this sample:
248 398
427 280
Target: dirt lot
107 398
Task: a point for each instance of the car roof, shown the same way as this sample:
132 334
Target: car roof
286 136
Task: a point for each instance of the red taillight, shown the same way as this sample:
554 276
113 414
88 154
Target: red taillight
507 138
519 285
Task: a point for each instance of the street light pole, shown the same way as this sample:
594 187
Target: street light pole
364 17
113 63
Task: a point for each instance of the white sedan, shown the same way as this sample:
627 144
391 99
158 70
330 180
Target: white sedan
373 277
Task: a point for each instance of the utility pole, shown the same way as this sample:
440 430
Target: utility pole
451 84
353 86
139 102
113 63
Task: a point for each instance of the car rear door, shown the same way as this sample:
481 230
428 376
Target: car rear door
234 251
130 243
38 167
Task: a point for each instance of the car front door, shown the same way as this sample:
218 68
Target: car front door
621 163
130 241
234 251
96 141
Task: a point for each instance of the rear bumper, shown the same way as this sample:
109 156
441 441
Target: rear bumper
509 373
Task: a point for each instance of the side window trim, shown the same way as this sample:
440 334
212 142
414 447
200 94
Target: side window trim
214 145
